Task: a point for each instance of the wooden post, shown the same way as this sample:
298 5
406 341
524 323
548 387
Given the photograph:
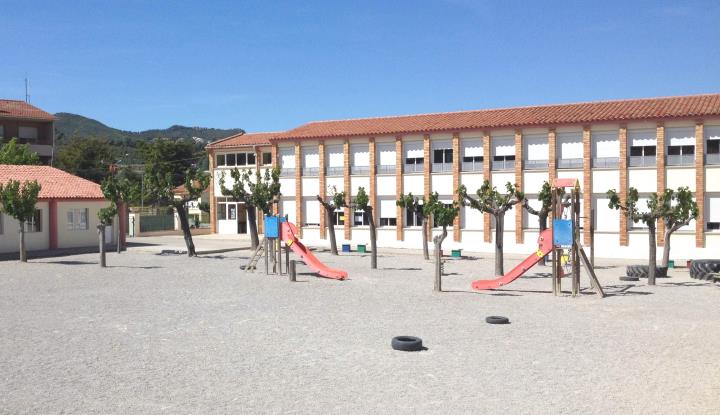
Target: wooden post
592 237
575 211
438 270
291 271
287 259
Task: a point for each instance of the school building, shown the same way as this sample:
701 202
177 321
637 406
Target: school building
649 144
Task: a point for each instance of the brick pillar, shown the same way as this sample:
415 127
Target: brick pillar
487 175
660 148
700 183
427 180
53 225
372 192
211 192
519 234
457 235
298 189
587 183
400 219
258 213
622 136
322 189
347 189
275 163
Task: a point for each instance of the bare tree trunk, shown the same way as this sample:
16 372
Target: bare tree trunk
652 255
373 240
252 219
426 253
185 226
330 221
666 249
542 219
499 231
438 240
101 240
23 252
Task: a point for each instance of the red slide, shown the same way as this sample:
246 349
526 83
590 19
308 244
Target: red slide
545 246
288 232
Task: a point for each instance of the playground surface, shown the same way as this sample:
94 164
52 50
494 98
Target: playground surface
171 334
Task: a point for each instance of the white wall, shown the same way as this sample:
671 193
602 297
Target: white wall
385 185
78 238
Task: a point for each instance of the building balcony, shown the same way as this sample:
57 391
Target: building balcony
713 158
311 171
468 166
535 164
606 162
570 163
642 161
360 170
441 167
681 160
503 165
335 171
287 172
413 168
386 169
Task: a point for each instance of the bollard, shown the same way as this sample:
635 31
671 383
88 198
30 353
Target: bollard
291 271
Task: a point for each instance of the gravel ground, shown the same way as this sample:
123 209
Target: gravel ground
171 334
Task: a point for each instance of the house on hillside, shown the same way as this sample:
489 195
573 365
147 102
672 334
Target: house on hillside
30 125
649 144
65 216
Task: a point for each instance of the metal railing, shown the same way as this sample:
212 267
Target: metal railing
334 171
642 161
536 164
413 168
385 169
606 162
712 158
287 172
472 166
681 160
359 169
311 171
570 163
441 167
503 165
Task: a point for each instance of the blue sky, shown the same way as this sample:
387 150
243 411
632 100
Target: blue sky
273 65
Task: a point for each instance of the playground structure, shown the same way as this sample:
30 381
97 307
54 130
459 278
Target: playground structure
278 231
563 236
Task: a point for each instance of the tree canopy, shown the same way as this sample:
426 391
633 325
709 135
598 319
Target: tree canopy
89 158
14 153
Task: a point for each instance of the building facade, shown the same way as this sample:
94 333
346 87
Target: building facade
648 144
30 125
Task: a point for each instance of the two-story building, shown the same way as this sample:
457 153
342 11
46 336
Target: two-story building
648 144
30 125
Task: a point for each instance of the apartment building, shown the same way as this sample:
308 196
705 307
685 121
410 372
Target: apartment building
30 125
648 144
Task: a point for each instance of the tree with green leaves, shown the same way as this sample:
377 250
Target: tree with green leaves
443 216
162 189
545 198
680 210
490 200
423 208
105 217
19 202
337 201
89 158
655 210
173 157
14 153
255 194
121 190
362 202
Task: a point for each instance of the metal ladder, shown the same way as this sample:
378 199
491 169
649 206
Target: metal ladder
255 258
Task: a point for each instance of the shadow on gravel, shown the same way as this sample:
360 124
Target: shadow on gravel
70 262
401 269
687 284
538 275
131 267
622 290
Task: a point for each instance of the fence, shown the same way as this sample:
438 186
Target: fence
157 223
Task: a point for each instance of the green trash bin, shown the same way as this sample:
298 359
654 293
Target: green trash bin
671 263
457 253
361 248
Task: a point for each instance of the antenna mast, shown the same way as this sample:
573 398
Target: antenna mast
27 90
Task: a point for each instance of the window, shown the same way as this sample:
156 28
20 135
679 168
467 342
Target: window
28 133
414 156
571 150
536 151
386 158
266 159
310 161
360 159
77 219
222 211
412 218
361 218
230 159
605 149
414 164
35 223
472 154
642 147
287 161
220 159
339 217
388 212
442 159
713 212
232 211
503 162
251 159
503 153
2 132
712 135
681 146
311 211
241 159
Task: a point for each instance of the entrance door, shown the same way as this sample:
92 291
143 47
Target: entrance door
242 219
227 218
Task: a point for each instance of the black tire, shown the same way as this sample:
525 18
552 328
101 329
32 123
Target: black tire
407 343
641 271
710 276
497 320
700 267
628 278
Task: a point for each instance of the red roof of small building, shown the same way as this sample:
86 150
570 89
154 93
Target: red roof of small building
545 115
10 108
244 139
55 183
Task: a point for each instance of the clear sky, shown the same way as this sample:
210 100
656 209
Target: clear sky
273 65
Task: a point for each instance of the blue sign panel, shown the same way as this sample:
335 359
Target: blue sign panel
562 232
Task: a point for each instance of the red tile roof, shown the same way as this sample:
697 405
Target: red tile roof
545 115
244 139
10 108
55 183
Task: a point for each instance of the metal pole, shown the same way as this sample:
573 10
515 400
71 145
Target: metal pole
267 262
279 250
291 271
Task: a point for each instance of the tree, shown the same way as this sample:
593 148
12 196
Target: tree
121 190
362 202
422 208
680 209
14 153
338 202
259 194
629 208
105 217
89 158
162 188
173 157
545 198
19 202
489 200
443 216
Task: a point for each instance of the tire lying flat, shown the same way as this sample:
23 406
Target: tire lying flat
407 343
497 320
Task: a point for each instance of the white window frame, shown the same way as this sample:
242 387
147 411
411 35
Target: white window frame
386 157
417 219
364 218
23 131
77 219
34 225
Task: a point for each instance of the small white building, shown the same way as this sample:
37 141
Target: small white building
65 215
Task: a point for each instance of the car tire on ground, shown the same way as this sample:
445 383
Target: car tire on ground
641 271
700 267
497 320
407 343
